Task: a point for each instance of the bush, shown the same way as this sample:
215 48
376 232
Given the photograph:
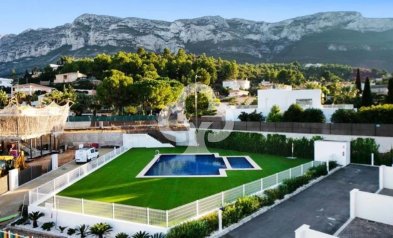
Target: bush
293 114
122 235
47 226
141 234
384 158
382 114
275 114
71 231
253 116
211 222
317 171
62 228
295 183
195 229
344 116
361 150
313 115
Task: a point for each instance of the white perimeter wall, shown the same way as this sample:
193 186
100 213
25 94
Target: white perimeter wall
305 232
386 177
371 206
338 151
70 219
183 138
142 141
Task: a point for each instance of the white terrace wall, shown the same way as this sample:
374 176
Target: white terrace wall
70 219
371 206
385 177
142 141
305 232
339 151
101 137
183 138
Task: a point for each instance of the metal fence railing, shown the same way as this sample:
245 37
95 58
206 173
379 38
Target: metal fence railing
112 118
164 218
48 189
9 234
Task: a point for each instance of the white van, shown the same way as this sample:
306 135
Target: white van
84 155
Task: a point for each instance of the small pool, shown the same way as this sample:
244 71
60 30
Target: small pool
239 163
195 165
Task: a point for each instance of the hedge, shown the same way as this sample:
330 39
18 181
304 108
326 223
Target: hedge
379 114
273 144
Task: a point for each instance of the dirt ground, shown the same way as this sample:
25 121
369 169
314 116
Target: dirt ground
44 161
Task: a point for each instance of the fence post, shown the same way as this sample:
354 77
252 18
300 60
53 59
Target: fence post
372 159
276 178
167 220
148 216
381 176
83 207
261 184
327 166
54 185
222 199
290 173
197 207
352 204
244 190
302 169
113 210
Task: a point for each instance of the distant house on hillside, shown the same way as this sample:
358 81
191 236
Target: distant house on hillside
236 84
6 83
31 88
68 77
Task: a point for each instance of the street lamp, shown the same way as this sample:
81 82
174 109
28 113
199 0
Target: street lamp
196 101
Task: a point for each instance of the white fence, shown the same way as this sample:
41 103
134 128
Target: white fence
49 189
385 177
10 234
155 217
305 232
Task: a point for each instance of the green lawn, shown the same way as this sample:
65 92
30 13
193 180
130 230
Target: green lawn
116 181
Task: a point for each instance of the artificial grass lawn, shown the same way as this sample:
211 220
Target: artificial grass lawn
116 182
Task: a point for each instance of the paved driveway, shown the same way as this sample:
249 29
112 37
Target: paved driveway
324 206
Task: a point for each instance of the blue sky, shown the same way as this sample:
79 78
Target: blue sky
19 15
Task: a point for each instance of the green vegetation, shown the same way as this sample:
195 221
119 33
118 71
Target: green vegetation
367 99
116 182
275 114
389 98
379 114
253 116
245 206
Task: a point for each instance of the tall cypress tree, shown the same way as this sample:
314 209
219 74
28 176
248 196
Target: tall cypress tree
358 82
367 99
389 98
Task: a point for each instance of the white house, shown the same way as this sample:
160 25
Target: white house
236 84
68 77
6 83
284 98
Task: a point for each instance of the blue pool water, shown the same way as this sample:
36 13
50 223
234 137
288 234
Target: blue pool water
239 163
181 165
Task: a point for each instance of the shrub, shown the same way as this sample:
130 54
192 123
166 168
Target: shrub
247 205
275 193
275 114
47 226
34 216
317 171
211 222
71 231
230 215
158 235
376 114
141 234
253 116
313 115
62 228
293 114
195 229
344 116
100 229
361 150
20 221
82 230
295 183
122 235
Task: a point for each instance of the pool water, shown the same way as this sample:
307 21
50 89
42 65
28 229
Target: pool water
239 163
180 165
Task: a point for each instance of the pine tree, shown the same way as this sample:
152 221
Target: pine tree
367 99
389 98
358 82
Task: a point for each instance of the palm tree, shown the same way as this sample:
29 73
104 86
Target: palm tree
122 235
34 216
100 229
141 234
158 235
82 230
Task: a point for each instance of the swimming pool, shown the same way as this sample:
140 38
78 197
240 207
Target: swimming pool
195 165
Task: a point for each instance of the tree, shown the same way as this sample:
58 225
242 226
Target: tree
253 116
202 104
313 115
293 114
60 97
367 99
115 90
358 82
3 99
83 102
275 114
389 98
100 229
34 216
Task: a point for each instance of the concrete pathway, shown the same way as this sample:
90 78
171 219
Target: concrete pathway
324 206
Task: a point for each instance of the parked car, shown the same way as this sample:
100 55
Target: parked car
84 155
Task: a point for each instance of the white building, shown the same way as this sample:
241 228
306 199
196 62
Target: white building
6 83
236 84
31 88
68 77
284 98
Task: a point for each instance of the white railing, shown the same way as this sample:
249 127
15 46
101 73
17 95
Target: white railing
169 218
49 189
10 234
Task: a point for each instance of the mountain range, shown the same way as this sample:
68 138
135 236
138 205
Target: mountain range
328 37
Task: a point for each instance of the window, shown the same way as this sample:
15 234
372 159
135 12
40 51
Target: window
306 102
65 77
